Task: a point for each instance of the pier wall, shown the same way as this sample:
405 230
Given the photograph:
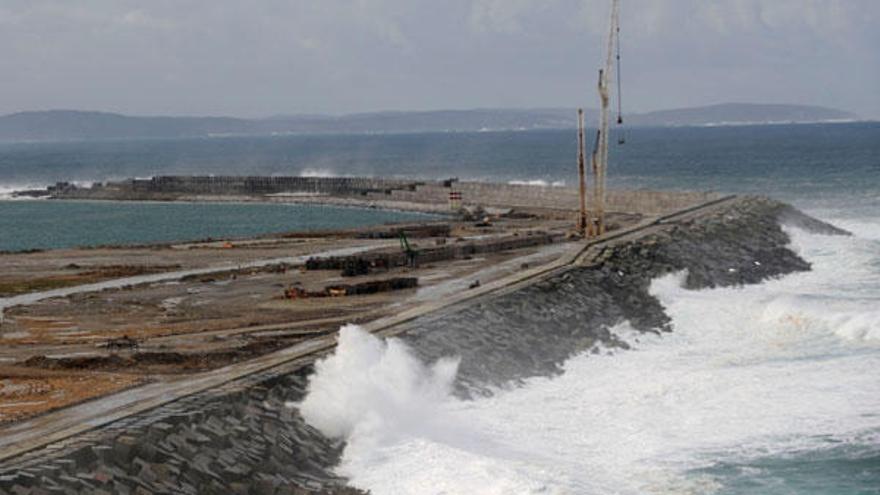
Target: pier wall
551 197
267 185
368 189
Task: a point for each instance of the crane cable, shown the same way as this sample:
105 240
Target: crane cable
621 139
619 103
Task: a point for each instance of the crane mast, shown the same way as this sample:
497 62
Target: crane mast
600 152
583 216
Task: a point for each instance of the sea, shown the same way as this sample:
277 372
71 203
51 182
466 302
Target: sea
769 389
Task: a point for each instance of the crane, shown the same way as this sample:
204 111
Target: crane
405 246
600 150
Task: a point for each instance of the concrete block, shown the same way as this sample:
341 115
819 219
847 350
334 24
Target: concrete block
69 480
264 485
147 475
123 448
103 453
120 488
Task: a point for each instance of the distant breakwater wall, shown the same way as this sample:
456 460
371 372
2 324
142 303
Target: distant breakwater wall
526 196
177 185
377 190
241 438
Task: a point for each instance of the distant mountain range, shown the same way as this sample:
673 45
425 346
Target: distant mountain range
741 114
63 125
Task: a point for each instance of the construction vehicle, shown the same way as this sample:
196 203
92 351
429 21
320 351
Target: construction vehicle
411 254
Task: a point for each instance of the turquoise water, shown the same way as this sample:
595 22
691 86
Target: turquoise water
59 224
840 469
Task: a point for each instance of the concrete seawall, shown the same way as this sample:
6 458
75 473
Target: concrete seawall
397 192
551 197
240 437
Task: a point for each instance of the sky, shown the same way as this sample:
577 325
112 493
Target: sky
272 57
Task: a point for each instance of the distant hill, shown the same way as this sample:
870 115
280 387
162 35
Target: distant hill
62 125
77 125
741 114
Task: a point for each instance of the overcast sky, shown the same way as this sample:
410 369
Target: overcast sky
267 57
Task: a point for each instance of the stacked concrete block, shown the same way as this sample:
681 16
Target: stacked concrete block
240 438
258 185
433 254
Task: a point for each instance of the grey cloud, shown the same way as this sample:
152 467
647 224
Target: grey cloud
333 56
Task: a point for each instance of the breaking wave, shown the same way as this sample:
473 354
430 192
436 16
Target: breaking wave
6 190
770 370
368 381
537 182
317 172
372 393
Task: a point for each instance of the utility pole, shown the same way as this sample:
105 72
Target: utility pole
582 181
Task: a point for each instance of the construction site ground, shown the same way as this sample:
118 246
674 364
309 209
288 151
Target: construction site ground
205 305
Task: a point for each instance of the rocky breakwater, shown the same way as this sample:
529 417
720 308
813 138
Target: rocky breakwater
239 438
245 438
533 330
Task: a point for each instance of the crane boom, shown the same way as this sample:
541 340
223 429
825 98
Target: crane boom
600 154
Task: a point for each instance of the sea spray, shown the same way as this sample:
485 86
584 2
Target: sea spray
748 374
536 182
381 399
318 172
7 190
372 390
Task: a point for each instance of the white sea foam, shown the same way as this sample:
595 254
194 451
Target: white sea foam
863 228
376 383
317 172
6 190
761 370
537 182
374 393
